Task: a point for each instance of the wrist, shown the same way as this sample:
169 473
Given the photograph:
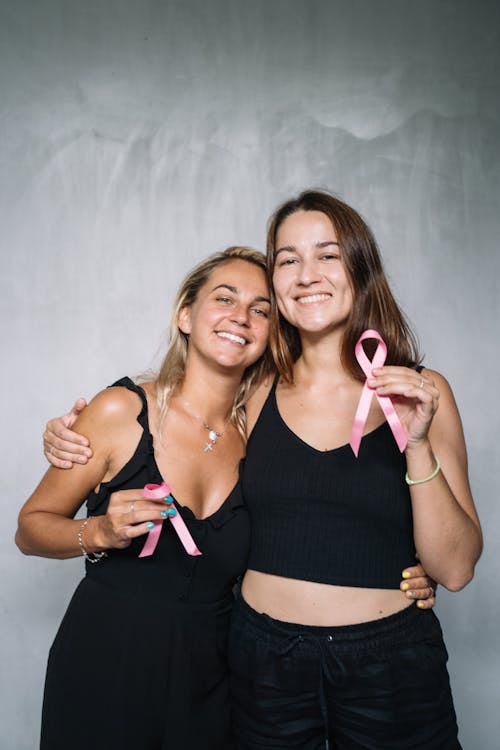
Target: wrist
92 537
421 463
423 480
419 449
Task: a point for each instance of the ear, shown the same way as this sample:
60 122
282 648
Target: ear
184 320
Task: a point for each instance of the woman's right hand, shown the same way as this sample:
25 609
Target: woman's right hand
129 515
62 446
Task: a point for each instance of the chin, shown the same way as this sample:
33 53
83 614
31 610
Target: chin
231 363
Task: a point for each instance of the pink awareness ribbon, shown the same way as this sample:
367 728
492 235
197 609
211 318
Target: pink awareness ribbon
157 492
367 394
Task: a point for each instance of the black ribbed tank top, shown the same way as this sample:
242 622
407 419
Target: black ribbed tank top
327 516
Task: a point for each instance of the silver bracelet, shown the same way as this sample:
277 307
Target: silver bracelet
91 557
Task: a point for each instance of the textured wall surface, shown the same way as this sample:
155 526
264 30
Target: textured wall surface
138 136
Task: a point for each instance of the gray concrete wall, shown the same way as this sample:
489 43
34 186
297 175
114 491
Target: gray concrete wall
138 136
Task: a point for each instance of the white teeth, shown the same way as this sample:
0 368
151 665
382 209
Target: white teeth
231 337
313 298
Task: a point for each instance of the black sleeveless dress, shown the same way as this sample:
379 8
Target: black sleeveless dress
139 661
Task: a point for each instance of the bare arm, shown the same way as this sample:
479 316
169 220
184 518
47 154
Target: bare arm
446 525
46 521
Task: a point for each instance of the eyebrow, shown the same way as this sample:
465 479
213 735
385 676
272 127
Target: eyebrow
234 290
293 249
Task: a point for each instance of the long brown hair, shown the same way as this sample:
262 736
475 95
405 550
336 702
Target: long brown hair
173 366
373 303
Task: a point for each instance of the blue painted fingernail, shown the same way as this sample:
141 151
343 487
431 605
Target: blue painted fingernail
164 513
169 499
172 512
150 525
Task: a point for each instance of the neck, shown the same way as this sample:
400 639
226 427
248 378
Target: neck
320 360
210 398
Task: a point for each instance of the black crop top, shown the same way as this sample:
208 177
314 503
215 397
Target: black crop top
327 516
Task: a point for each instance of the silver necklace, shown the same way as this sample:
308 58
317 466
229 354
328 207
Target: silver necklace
213 435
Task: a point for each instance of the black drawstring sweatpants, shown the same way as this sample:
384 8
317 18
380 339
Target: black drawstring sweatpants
380 685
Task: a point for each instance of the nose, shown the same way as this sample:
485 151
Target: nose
240 315
308 272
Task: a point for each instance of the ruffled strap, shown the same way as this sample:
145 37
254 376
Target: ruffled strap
128 383
142 457
233 501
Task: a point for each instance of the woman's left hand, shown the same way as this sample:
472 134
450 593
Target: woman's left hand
414 396
417 585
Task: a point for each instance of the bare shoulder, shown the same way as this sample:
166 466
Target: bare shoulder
256 402
447 403
111 407
437 379
446 429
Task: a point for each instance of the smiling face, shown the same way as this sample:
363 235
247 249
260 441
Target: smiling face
312 288
228 323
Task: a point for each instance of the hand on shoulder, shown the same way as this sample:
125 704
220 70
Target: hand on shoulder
109 415
69 440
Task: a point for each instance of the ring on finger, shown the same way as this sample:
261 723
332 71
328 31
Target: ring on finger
422 383
431 592
132 506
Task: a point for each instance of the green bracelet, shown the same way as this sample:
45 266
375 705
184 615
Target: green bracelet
436 471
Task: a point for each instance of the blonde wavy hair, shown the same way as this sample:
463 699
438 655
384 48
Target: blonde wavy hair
173 367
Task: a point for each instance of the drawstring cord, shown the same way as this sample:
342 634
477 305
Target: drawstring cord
289 644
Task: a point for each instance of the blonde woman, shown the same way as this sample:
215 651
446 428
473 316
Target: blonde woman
140 657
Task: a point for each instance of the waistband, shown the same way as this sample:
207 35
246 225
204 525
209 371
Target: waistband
411 624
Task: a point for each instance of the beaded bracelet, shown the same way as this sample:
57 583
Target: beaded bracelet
436 471
91 557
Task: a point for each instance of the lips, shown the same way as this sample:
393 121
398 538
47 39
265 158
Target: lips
232 337
311 298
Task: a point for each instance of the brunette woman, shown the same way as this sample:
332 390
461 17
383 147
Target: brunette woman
324 652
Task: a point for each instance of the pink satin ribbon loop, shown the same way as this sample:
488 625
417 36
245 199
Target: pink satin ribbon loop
157 492
367 394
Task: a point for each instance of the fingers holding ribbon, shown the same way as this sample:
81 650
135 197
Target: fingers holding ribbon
130 515
415 397
134 513
162 492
